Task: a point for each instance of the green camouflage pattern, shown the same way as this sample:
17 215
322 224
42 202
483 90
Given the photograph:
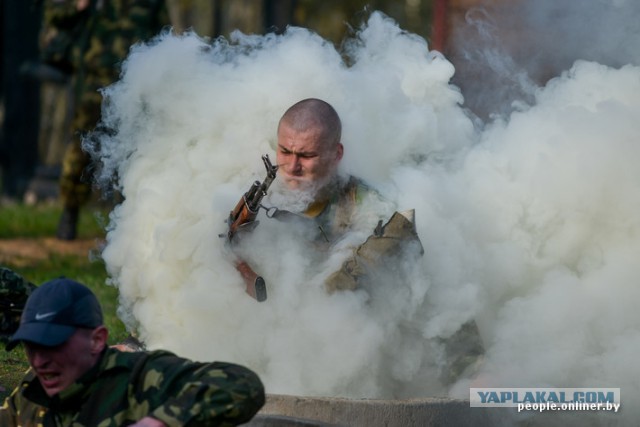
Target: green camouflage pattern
126 387
336 218
91 45
14 291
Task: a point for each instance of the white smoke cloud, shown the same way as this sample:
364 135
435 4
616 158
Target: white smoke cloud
503 50
530 225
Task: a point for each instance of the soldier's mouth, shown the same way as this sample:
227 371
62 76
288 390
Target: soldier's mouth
293 175
49 380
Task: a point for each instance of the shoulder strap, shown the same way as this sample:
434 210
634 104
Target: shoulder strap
346 202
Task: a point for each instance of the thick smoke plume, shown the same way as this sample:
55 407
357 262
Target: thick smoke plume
503 49
530 225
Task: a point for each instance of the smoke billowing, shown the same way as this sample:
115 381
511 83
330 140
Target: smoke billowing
504 49
530 226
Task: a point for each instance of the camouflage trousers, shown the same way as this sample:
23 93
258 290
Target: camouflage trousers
75 179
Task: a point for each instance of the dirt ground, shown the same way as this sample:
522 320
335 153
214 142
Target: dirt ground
23 251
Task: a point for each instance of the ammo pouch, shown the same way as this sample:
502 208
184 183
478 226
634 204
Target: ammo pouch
397 238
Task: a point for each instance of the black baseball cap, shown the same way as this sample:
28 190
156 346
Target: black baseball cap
54 311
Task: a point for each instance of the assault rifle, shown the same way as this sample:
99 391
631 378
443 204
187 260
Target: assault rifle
243 217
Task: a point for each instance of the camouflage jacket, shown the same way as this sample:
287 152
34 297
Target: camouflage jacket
337 215
333 216
92 42
125 387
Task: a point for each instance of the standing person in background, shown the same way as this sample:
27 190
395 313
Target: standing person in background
91 38
76 379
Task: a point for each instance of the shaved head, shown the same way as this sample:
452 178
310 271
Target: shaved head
313 113
309 147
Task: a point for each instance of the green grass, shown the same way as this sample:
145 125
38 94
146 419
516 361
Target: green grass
20 221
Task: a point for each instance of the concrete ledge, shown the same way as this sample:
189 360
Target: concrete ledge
285 410
284 421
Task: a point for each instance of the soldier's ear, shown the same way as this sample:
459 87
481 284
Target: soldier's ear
99 337
339 151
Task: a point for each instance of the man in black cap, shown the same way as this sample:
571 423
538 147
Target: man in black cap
76 379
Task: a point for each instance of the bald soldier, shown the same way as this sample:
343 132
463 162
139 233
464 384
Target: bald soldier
313 193
308 154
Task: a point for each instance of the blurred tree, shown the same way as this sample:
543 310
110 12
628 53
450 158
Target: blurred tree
332 19
20 96
201 16
278 14
329 18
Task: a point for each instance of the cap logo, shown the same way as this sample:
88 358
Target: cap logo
45 315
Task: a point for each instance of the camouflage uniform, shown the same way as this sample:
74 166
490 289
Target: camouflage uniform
91 45
334 218
126 387
14 291
377 259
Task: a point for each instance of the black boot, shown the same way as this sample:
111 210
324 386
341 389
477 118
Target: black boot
68 224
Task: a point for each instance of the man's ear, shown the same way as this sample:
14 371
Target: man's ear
339 151
99 337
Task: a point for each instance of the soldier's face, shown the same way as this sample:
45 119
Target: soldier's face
58 367
306 161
